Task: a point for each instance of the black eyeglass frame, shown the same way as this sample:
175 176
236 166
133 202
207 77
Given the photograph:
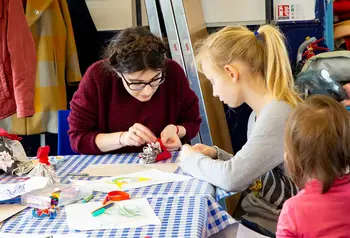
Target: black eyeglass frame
161 78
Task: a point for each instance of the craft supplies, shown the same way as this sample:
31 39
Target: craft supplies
55 161
13 159
130 213
68 194
116 196
43 168
50 212
102 209
88 198
154 152
77 175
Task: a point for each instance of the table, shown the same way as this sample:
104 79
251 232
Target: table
186 209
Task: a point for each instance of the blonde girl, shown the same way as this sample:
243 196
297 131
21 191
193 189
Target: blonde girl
253 68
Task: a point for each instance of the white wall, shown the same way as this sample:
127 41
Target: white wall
119 14
111 14
228 12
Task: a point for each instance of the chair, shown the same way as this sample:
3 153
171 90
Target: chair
63 145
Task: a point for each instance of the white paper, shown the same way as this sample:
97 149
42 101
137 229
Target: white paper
124 214
9 235
12 190
134 180
244 232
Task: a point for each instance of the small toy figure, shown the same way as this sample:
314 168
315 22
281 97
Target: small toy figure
49 212
154 152
311 48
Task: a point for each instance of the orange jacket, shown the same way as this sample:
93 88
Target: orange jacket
17 61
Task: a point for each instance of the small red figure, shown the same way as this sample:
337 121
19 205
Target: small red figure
43 155
165 153
310 52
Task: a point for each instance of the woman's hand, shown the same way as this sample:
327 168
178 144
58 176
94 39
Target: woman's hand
347 89
206 150
137 135
170 138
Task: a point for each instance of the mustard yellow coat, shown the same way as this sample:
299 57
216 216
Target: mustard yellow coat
58 64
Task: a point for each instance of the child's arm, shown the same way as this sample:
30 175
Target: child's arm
262 152
286 227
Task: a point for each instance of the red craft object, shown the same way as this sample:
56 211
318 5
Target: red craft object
43 155
165 153
310 52
10 136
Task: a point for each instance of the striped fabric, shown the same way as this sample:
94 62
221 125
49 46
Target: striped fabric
58 64
186 209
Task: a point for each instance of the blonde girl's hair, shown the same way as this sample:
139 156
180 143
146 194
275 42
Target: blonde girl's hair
264 51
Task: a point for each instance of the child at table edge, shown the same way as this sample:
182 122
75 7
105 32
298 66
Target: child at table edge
253 68
317 145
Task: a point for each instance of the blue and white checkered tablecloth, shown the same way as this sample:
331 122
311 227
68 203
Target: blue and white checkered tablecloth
180 217
221 194
78 163
186 209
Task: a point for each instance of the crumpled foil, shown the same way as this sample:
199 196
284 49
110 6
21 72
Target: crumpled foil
149 153
43 170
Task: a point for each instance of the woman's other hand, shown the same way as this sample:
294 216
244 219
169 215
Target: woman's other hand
170 138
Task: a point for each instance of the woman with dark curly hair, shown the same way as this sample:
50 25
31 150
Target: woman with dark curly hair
131 98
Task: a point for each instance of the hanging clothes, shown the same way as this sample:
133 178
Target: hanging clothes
342 23
58 64
17 61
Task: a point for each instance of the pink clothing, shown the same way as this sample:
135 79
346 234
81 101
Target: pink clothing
312 214
17 61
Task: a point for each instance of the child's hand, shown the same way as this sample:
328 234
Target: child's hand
186 151
206 150
347 89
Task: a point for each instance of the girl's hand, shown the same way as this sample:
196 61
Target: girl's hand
186 151
170 138
137 135
206 150
347 89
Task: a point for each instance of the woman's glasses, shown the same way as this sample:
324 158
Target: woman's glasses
155 82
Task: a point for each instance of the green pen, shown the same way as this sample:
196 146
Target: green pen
102 210
83 174
88 198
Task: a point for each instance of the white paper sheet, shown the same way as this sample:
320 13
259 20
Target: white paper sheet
244 232
107 170
124 214
9 235
12 190
134 180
